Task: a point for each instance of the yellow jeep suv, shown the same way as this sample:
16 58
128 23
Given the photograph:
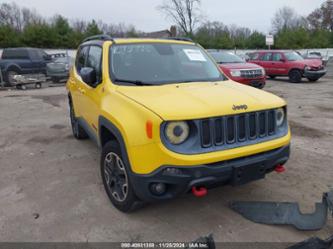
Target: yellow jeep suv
169 122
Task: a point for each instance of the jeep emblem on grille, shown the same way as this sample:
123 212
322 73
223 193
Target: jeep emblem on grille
239 107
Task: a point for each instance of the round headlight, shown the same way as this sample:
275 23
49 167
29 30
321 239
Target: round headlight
280 116
177 132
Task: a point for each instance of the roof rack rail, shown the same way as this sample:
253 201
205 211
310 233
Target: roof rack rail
98 37
180 39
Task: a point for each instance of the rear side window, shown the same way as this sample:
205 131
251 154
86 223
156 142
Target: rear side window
277 57
15 54
81 58
267 57
94 61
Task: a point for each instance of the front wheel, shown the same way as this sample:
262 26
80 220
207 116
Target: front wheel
115 176
295 76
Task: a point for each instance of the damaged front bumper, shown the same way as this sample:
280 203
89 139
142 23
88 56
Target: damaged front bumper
286 213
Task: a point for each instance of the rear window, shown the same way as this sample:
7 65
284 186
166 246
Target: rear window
15 54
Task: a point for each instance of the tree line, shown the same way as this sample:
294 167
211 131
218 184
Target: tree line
25 27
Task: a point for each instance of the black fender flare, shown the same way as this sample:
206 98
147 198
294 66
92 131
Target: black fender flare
103 122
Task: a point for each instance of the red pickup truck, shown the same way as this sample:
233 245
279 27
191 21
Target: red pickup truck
288 63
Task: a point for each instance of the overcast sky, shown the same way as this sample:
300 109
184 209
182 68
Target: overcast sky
255 14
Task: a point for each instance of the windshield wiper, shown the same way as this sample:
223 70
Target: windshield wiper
134 82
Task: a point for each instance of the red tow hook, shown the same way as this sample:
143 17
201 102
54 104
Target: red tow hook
280 169
199 192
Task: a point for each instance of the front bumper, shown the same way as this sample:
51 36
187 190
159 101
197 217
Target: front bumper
255 82
234 172
315 74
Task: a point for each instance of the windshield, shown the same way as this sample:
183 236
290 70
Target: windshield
293 56
161 63
226 57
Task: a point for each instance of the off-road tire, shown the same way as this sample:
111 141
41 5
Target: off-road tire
295 76
130 201
78 132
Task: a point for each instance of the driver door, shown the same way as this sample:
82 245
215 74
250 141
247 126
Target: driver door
92 92
76 83
279 65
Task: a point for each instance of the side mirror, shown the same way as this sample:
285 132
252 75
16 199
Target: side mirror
88 75
283 60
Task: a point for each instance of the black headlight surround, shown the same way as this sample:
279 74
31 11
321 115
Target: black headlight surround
285 121
193 134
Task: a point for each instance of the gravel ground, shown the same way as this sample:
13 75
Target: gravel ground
51 190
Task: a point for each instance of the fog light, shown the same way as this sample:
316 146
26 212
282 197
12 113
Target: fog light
158 188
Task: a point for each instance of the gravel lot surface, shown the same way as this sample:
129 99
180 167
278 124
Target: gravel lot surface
51 190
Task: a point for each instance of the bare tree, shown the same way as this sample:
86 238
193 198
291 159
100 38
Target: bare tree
322 18
287 17
18 18
10 14
79 25
185 13
30 17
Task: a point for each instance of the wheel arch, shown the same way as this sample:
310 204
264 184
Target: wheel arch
296 69
14 67
109 132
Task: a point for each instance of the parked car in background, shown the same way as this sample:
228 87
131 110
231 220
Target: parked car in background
15 61
58 69
239 70
289 64
313 55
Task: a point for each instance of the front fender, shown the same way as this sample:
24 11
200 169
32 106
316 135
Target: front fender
126 120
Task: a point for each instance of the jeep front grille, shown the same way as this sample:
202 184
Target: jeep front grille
237 129
251 73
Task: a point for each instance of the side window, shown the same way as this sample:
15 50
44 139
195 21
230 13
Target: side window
81 58
266 57
34 54
15 54
277 57
254 56
95 61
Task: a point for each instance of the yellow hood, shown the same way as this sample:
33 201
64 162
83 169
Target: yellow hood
200 100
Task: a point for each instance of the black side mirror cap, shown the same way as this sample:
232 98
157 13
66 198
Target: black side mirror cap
88 75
